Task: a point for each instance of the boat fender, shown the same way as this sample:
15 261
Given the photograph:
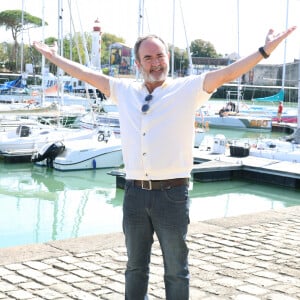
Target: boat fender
94 163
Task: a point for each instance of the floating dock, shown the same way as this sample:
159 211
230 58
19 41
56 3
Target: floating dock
216 167
221 167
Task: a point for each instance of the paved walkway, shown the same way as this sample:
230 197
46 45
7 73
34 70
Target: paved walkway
248 257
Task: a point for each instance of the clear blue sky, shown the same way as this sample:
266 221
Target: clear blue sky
211 20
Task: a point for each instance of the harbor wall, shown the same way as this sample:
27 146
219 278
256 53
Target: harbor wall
266 80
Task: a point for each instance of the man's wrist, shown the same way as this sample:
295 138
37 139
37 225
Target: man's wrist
263 52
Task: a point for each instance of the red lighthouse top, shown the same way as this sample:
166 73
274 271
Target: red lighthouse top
97 26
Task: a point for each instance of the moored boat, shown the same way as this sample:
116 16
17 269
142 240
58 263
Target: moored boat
19 145
102 151
276 149
241 122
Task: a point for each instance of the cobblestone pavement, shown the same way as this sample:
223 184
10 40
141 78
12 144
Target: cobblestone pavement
247 257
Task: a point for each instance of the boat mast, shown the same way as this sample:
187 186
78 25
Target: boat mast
298 123
190 71
285 41
173 40
141 18
43 57
22 39
60 47
238 51
23 74
140 29
86 53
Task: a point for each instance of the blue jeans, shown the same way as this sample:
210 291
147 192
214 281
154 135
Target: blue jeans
165 212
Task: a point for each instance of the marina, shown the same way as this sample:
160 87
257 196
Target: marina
51 205
61 208
225 159
210 167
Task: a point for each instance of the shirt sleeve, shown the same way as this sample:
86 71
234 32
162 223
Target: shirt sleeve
112 85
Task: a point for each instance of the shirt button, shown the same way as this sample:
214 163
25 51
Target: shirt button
144 154
144 133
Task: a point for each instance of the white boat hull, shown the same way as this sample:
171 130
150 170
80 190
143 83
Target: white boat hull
293 156
277 150
14 144
236 122
88 154
110 158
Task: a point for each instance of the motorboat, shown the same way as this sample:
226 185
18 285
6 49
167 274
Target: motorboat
11 123
101 119
102 151
276 149
106 116
20 144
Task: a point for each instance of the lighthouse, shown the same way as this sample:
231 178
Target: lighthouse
96 46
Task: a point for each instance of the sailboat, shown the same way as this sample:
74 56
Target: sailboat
229 116
278 149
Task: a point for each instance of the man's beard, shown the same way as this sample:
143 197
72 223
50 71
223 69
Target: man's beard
148 77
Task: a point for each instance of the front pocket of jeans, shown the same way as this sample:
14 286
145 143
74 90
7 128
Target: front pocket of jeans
178 194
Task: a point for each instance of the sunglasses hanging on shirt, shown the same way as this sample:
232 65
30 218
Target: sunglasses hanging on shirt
146 106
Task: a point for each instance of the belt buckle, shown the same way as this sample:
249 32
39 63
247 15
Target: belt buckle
145 187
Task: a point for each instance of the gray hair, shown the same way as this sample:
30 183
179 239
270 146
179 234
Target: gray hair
144 38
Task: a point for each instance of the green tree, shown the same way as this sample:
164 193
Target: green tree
201 48
78 52
181 61
5 50
12 20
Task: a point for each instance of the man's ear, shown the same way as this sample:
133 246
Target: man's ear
137 64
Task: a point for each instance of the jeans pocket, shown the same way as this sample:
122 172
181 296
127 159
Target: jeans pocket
178 194
128 185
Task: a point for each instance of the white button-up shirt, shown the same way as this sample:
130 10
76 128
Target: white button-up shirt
158 144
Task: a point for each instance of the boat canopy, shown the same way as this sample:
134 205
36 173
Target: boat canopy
274 98
17 83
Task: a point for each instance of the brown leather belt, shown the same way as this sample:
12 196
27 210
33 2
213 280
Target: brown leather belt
160 184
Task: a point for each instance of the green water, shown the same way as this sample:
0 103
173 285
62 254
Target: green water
39 205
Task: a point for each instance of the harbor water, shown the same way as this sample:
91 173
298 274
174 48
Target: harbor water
39 204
